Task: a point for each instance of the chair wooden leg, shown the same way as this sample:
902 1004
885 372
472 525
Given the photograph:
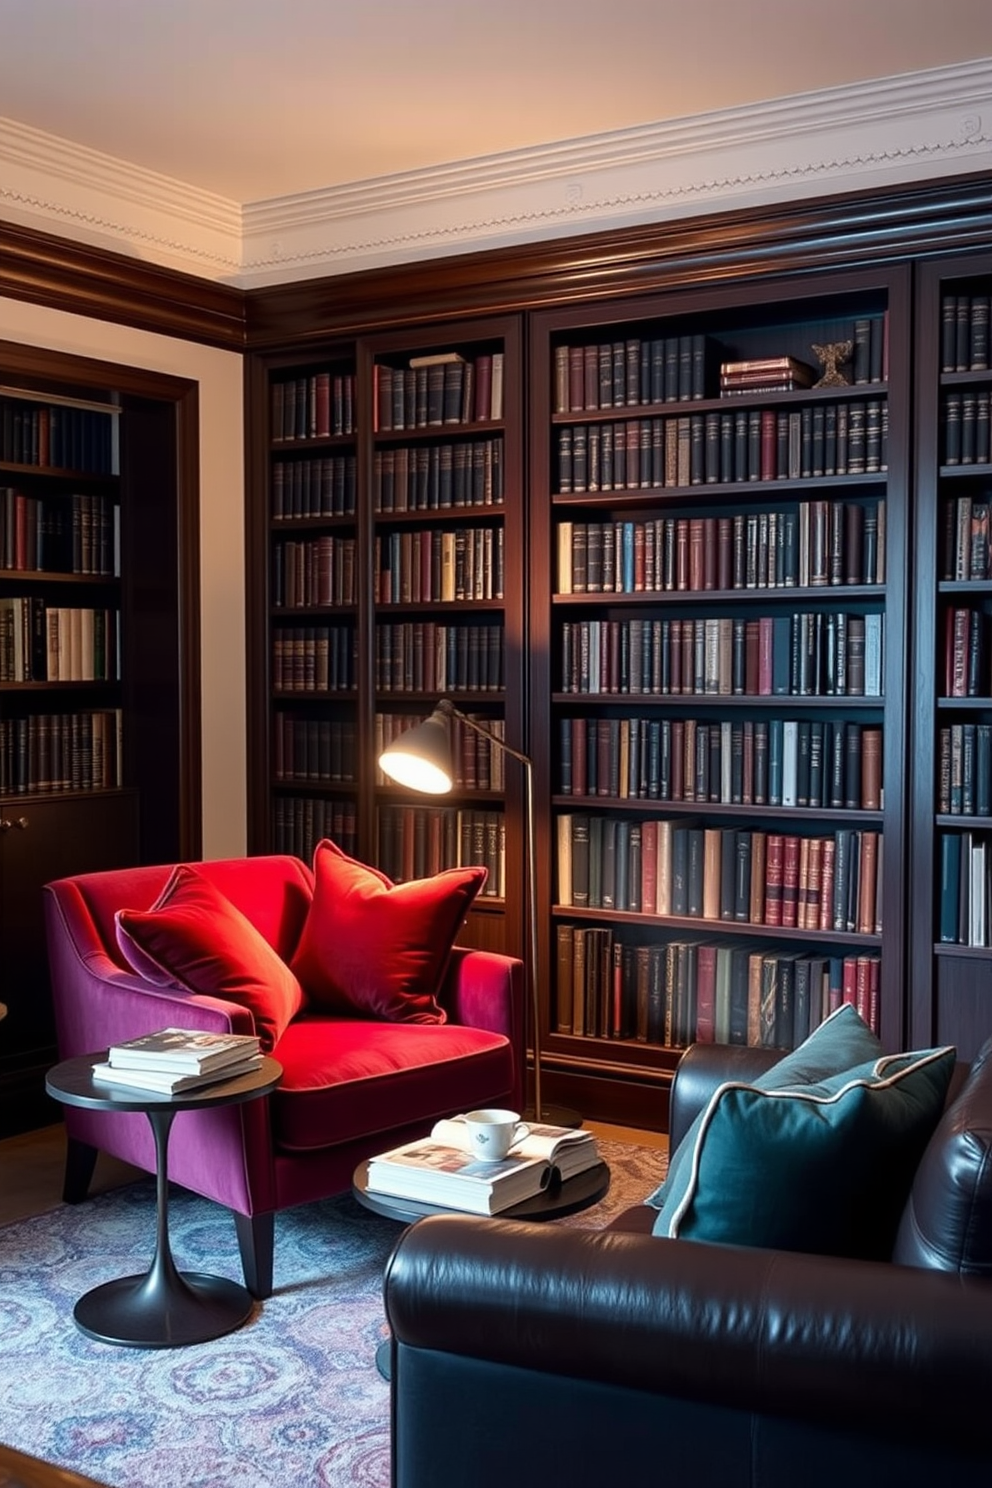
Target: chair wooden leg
256 1241
80 1160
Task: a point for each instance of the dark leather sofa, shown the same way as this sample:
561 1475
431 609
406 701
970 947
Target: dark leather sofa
537 1354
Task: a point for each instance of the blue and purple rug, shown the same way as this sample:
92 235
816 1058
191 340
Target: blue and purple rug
291 1400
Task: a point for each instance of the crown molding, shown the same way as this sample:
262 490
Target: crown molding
61 187
909 128
901 129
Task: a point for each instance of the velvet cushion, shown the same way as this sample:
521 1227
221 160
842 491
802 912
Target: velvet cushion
373 948
841 1041
346 1078
824 1167
193 937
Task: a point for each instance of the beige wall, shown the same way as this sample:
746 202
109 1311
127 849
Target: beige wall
219 375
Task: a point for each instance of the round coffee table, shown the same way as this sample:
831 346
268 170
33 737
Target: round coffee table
164 1307
554 1202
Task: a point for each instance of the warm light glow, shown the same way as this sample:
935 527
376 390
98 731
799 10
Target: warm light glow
415 772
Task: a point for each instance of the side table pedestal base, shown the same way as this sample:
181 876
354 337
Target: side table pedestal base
135 1311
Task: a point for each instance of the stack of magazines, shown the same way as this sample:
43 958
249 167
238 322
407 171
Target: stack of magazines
174 1060
440 1170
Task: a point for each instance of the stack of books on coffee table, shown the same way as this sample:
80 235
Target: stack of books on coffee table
439 1170
174 1060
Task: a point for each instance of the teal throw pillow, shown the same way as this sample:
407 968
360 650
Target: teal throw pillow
825 1167
841 1041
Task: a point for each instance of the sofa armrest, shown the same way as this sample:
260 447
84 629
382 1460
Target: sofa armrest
809 1337
97 1003
704 1067
483 989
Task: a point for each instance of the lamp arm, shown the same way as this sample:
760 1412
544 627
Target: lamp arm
530 968
448 708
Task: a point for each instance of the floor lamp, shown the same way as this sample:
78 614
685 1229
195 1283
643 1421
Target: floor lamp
420 758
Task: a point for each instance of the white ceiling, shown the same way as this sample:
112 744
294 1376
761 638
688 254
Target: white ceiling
259 99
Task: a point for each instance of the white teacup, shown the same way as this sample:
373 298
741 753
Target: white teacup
492 1133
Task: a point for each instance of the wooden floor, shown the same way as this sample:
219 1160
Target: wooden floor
31 1167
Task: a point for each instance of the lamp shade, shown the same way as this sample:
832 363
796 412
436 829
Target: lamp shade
420 758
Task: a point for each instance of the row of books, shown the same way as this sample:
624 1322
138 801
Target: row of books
660 866
314 658
171 1061
477 762
678 992
635 370
300 822
816 763
323 486
419 841
316 406
314 571
60 436
806 654
52 752
441 1169
78 533
439 565
967 669
57 643
964 333
964 769
966 550
440 388
965 891
433 477
318 749
815 545
750 444
415 656
967 427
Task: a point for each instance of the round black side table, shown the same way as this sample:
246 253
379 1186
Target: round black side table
164 1307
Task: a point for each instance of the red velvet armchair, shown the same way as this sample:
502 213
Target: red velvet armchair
351 1086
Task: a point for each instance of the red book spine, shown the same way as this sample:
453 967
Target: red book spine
827 884
706 994
774 869
790 882
849 985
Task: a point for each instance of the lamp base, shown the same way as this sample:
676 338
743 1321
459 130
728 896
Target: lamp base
554 1115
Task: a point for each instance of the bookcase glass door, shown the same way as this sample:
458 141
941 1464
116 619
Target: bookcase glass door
952 806
718 490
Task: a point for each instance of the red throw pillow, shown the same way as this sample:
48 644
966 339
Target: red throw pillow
194 937
379 949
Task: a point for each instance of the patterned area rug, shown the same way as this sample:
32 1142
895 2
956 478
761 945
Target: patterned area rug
291 1400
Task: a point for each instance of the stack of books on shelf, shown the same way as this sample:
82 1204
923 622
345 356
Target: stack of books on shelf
172 1061
440 1169
775 374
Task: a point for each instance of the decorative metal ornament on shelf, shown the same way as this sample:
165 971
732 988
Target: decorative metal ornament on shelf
832 356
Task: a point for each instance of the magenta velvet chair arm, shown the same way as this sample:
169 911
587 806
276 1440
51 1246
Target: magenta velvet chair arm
483 989
96 1003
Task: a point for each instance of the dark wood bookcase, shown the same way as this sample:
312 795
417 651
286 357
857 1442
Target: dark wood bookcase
742 287
952 769
657 573
99 705
422 597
